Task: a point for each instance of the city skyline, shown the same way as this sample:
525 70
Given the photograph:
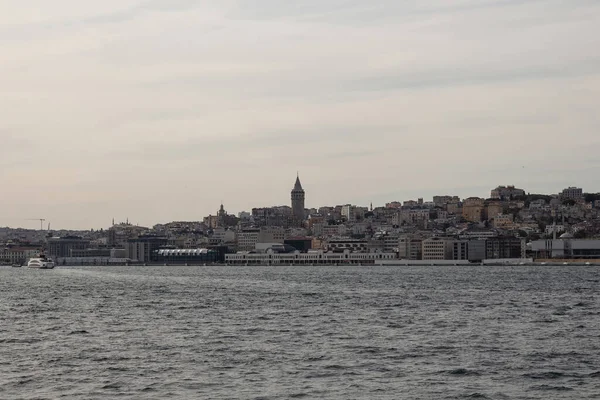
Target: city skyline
297 188
158 110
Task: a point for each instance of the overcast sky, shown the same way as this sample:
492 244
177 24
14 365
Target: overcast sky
157 110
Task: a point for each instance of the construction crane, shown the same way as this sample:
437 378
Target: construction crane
38 219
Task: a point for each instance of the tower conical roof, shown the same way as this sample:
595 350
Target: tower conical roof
298 185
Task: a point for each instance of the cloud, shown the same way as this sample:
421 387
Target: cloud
444 78
141 8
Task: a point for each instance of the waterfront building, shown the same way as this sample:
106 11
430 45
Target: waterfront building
505 247
390 242
384 244
311 258
476 250
90 253
437 248
471 250
410 248
189 256
142 249
302 244
566 247
460 250
62 246
17 254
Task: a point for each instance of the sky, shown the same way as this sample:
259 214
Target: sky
158 110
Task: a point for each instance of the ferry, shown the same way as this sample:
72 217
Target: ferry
41 262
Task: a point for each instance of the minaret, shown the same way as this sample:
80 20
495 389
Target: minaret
298 200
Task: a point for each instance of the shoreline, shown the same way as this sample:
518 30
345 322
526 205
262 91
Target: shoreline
395 263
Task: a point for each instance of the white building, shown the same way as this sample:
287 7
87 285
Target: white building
222 235
352 213
478 234
247 239
437 248
310 258
566 247
18 255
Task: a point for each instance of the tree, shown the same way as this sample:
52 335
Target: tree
591 197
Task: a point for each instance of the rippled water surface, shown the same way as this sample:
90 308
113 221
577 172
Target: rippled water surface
300 332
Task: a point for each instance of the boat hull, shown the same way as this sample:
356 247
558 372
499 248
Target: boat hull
37 263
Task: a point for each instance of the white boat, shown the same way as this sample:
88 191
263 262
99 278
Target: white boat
41 262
